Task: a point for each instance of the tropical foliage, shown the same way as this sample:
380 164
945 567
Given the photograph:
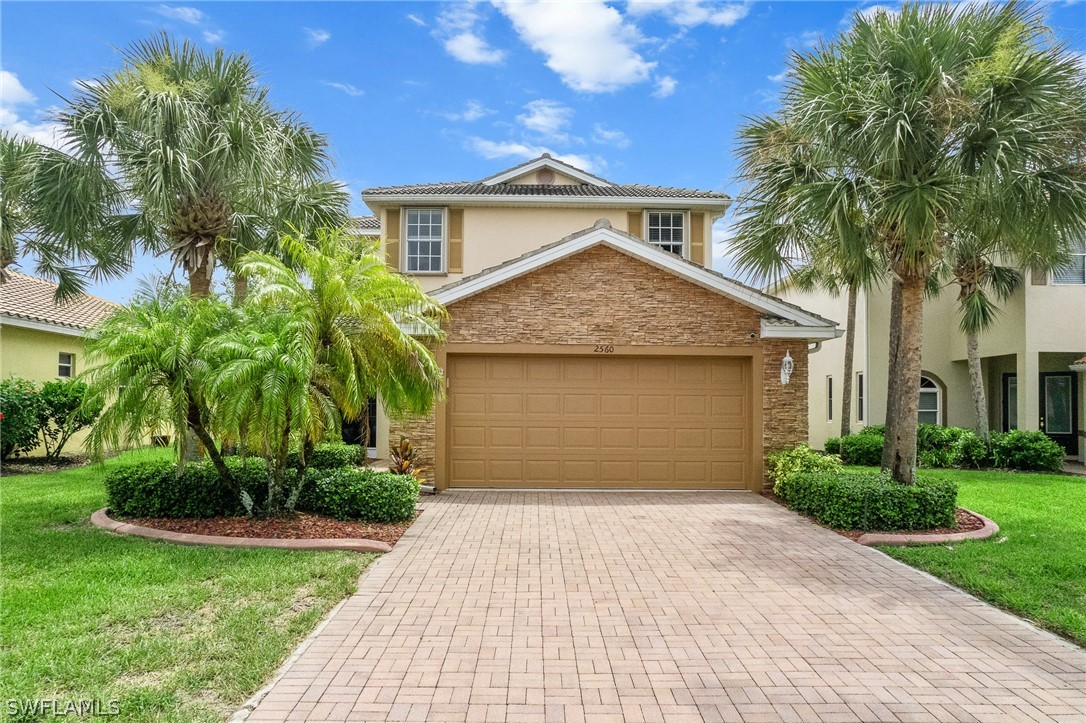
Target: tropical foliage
909 133
178 151
20 411
313 341
65 411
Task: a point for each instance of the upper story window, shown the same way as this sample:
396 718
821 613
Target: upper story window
666 230
66 365
1075 272
425 236
931 402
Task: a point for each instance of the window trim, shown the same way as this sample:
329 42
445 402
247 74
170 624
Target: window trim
940 404
686 228
829 397
405 242
1005 393
860 397
70 365
1079 252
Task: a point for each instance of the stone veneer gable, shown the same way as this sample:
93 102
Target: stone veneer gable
603 296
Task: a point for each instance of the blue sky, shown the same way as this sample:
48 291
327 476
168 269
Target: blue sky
638 92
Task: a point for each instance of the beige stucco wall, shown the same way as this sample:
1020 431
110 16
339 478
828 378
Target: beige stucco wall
494 235
34 355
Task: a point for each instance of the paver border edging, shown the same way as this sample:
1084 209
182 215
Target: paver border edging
102 519
906 538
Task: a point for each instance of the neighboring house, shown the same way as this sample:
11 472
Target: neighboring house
589 344
1032 379
41 340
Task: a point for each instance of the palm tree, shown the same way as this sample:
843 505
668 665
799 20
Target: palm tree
149 362
180 151
900 126
318 344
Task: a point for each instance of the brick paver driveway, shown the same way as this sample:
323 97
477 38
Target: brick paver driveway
662 606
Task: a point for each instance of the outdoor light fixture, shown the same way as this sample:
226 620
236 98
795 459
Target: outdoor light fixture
787 365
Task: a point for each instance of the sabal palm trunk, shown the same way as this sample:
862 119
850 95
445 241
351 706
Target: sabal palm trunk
976 382
850 348
892 372
900 448
200 279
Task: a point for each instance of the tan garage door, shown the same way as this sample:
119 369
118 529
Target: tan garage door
557 421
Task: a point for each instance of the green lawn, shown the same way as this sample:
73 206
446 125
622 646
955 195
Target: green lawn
1036 566
173 633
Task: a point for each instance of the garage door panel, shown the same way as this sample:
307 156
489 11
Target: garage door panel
555 421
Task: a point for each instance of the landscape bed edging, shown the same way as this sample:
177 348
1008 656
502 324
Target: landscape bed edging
102 519
909 538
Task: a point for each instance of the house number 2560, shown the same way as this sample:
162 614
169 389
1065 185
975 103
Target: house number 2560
604 349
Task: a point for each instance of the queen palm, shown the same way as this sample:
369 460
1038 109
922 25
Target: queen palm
903 123
180 151
317 345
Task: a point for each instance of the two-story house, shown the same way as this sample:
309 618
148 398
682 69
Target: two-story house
1034 374
589 344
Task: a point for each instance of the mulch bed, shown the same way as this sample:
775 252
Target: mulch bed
300 526
967 522
40 465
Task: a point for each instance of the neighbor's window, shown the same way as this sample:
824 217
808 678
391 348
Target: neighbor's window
1075 272
931 402
829 398
666 230
860 397
425 240
66 365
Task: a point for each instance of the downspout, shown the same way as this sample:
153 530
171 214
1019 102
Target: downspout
815 348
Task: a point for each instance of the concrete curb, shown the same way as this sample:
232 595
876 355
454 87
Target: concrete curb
102 519
906 538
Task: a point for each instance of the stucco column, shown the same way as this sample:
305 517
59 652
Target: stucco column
1029 404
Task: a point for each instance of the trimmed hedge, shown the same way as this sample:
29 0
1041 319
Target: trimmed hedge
157 489
784 465
861 449
868 501
1027 451
361 494
331 456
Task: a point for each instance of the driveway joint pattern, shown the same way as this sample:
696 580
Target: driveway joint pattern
662 606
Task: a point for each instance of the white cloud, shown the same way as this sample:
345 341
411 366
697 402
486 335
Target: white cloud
347 88
214 36
588 44
606 136
15 100
316 36
416 20
869 13
779 77
665 86
547 118
691 13
513 149
460 29
473 111
192 16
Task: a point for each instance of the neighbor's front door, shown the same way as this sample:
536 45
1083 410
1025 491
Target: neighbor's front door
1059 409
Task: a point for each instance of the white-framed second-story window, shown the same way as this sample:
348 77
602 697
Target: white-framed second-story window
1075 272
66 365
424 236
667 229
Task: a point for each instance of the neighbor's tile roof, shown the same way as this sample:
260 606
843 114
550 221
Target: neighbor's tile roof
1081 361
364 223
26 297
580 190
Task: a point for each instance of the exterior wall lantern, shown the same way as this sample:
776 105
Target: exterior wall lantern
787 366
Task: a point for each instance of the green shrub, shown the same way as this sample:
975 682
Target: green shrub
21 408
65 410
833 445
937 446
870 501
972 450
786 464
360 494
157 489
1026 451
332 455
878 430
862 449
